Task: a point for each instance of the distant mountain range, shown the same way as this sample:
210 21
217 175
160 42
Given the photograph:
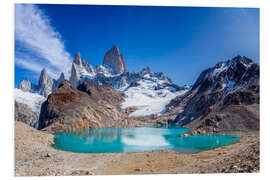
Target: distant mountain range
150 87
217 89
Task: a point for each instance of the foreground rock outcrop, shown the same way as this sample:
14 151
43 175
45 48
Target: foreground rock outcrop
89 106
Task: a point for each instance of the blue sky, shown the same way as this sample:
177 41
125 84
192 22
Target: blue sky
179 41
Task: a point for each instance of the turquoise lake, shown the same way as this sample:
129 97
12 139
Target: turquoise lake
116 140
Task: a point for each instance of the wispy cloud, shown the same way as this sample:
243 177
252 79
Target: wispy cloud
35 67
34 32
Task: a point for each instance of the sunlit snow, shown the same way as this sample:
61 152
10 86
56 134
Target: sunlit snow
147 100
32 100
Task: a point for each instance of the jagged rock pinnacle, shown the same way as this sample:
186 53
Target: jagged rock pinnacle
74 76
114 60
61 78
77 59
45 83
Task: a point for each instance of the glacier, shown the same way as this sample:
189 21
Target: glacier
32 100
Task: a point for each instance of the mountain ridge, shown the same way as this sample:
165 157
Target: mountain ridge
229 85
217 93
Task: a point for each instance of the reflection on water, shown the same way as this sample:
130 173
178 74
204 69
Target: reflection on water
138 139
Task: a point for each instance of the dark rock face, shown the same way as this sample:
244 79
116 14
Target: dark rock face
229 90
25 115
104 92
68 108
115 61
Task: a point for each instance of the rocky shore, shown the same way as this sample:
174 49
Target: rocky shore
34 156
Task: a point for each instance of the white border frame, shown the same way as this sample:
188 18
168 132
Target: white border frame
7 79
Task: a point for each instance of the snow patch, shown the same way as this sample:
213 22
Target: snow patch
217 71
147 100
32 100
182 110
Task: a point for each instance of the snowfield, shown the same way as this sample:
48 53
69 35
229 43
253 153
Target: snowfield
32 100
147 100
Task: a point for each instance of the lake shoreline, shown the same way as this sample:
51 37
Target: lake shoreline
35 156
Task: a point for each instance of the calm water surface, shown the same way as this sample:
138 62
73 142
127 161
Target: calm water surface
112 140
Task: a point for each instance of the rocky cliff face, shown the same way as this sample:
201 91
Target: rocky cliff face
45 83
68 108
79 69
223 97
115 61
25 115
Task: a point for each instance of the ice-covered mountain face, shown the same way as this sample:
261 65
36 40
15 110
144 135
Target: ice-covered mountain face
32 100
150 95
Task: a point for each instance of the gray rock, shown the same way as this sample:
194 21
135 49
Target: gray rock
25 85
25 115
46 83
74 78
77 59
115 61
138 169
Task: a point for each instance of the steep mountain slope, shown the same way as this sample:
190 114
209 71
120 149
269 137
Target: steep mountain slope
150 95
223 97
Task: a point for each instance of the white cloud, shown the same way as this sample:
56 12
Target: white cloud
35 67
34 31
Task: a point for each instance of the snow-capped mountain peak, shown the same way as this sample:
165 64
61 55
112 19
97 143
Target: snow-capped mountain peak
227 75
147 92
